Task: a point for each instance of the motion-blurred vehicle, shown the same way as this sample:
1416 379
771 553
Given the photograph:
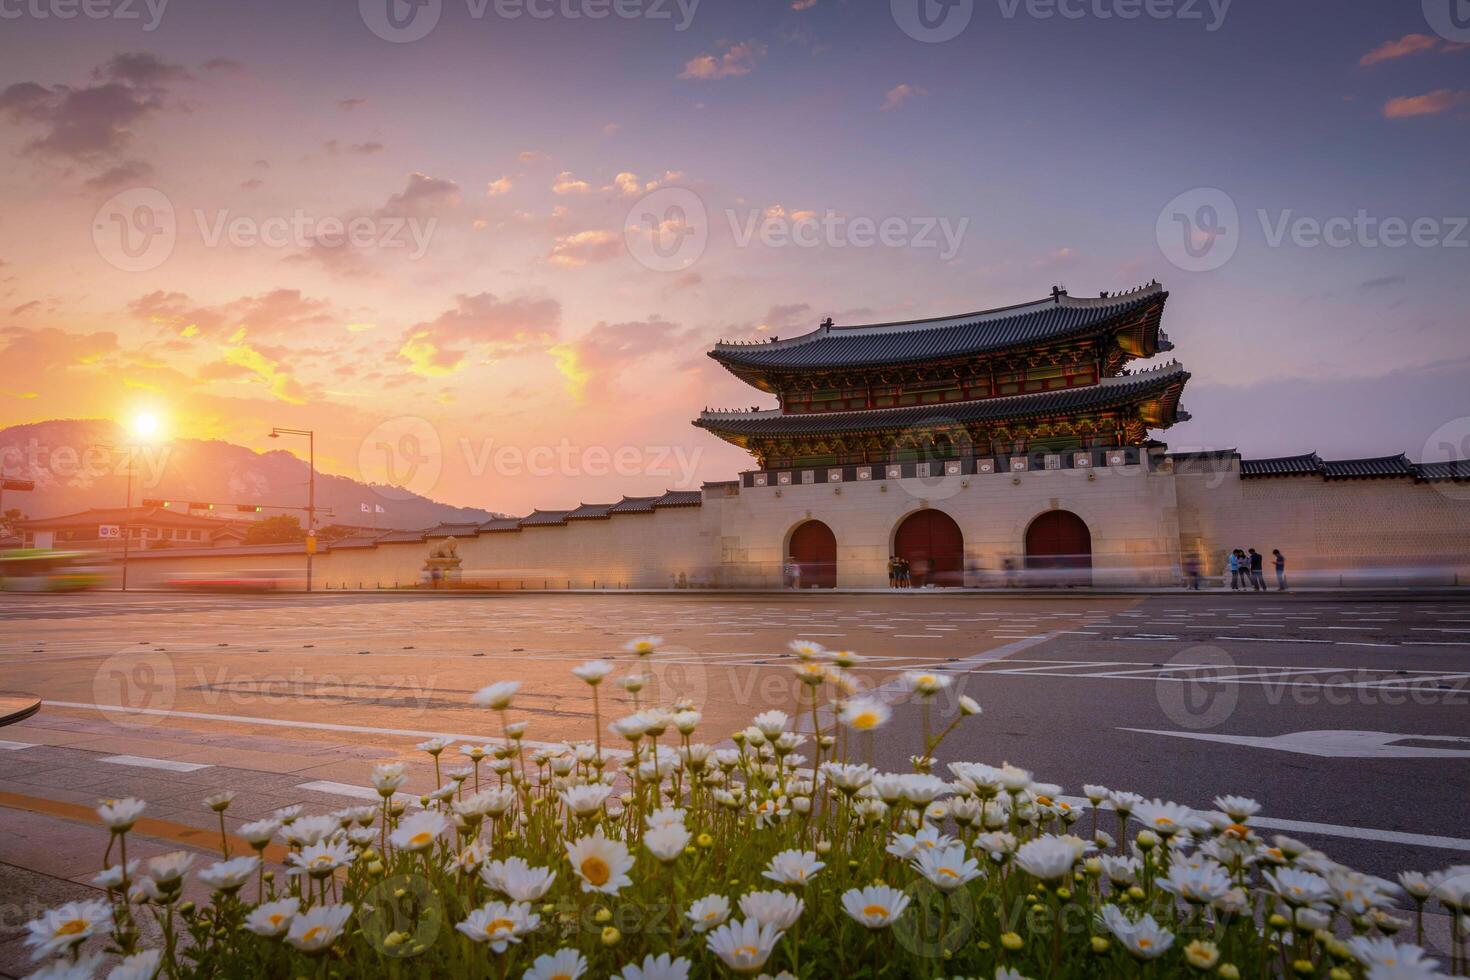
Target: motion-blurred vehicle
44 570
239 580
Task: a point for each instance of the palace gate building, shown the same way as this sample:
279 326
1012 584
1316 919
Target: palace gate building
1011 446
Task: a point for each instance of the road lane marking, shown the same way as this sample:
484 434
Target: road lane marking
350 791
320 726
15 746
145 763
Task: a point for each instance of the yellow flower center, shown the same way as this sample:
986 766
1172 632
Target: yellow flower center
1163 822
750 951
875 911
1144 944
499 925
1044 800
72 928
561 976
311 934
420 839
948 873
865 720
596 871
276 919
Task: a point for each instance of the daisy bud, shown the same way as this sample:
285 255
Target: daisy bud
611 936
969 706
1099 945
1012 941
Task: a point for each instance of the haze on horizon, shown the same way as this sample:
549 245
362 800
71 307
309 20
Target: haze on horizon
498 313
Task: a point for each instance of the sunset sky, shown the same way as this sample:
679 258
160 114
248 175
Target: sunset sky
496 163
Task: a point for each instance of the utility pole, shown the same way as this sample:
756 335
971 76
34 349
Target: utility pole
276 433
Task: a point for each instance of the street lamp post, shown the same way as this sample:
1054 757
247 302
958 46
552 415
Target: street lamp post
276 433
127 529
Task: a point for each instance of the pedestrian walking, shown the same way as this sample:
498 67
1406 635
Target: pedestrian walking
1280 561
1191 572
1233 563
1258 575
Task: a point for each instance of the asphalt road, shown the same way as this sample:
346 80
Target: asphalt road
1348 718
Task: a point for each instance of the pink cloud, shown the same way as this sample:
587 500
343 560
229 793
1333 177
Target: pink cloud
1409 44
900 94
1429 104
738 59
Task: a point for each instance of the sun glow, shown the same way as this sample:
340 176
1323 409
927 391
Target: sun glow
146 426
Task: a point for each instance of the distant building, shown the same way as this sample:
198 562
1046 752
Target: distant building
102 529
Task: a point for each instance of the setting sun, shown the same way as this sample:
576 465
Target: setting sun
146 426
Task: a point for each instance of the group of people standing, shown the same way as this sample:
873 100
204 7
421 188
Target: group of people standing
899 573
1248 570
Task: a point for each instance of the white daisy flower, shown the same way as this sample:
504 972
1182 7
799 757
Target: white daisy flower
116 876
564 964
661 967
258 833
497 696
743 946
771 724
1298 888
435 745
946 868
272 919
602 864
584 801
57 930
708 912
139 966
120 815
319 860
310 830
1049 857
419 831
168 869
643 645
499 924
793 867
314 931
667 842
593 671
876 906
926 684
85 968
228 876
220 802
864 714
516 879
1145 939
778 909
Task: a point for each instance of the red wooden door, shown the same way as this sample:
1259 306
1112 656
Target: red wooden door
814 550
1059 542
935 549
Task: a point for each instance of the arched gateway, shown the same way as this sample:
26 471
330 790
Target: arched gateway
814 550
1059 549
934 547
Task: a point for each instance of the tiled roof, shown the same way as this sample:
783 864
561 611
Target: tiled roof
397 536
1110 393
453 530
1358 469
633 505
501 524
235 551
151 516
1308 464
355 541
680 498
1457 470
590 512
544 518
1053 318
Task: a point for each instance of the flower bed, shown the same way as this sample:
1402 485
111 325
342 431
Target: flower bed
663 857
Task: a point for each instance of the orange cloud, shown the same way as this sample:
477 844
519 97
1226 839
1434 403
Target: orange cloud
1430 104
584 247
1404 47
738 59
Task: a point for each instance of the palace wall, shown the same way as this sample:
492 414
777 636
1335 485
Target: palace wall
1143 518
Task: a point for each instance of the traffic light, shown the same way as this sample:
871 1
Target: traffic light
248 509
196 505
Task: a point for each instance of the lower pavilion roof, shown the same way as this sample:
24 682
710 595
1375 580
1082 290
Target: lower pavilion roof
1165 382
